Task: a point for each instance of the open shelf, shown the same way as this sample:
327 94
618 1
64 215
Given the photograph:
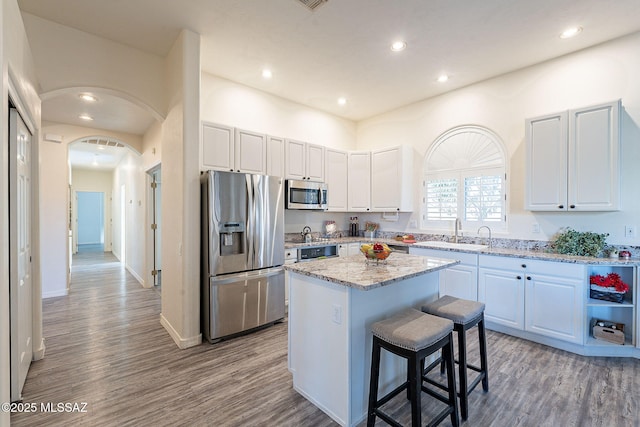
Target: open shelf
595 342
623 312
591 302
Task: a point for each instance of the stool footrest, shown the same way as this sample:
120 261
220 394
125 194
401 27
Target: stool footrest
380 413
393 393
475 382
433 393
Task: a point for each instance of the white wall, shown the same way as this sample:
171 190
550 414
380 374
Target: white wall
600 74
232 104
72 58
18 80
130 174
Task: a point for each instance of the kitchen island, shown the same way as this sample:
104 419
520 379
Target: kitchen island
332 305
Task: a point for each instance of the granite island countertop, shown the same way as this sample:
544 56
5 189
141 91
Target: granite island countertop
354 271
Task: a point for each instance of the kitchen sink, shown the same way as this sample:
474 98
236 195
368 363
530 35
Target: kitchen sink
451 245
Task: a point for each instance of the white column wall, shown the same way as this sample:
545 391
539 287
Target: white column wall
180 194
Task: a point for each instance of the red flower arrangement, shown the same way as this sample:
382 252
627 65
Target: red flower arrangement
612 280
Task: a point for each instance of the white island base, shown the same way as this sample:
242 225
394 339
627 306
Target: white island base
330 339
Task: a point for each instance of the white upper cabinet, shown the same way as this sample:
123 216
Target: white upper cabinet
594 158
336 178
359 188
315 162
573 160
228 149
304 161
275 156
391 179
250 152
546 182
217 147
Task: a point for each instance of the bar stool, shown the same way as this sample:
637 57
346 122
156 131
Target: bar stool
465 315
413 335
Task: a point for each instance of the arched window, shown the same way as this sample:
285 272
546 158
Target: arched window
464 177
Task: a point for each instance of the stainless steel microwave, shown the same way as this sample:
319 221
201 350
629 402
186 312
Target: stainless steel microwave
306 195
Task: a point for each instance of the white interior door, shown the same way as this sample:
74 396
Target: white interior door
20 252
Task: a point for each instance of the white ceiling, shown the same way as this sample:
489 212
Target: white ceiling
342 48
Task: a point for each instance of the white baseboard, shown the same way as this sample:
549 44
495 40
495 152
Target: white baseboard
38 353
135 275
182 343
59 293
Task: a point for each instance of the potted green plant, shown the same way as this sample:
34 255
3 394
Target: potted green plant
583 243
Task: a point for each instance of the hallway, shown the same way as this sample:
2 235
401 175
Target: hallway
106 347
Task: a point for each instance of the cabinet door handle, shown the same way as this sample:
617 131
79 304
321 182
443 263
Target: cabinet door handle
572 206
524 266
561 207
519 277
528 277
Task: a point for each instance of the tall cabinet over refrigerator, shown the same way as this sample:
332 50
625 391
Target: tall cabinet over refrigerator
242 253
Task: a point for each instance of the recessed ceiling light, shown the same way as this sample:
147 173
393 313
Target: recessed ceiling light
443 78
88 97
342 101
570 32
266 73
398 46
85 117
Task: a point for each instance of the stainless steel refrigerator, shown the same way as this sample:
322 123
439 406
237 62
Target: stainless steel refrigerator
242 253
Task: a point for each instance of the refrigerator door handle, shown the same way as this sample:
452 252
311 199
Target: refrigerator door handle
246 275
250 221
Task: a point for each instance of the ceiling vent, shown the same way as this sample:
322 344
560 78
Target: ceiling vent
106 142
313 4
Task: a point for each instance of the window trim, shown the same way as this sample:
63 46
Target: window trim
459 174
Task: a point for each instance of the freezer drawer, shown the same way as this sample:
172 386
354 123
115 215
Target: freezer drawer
240 302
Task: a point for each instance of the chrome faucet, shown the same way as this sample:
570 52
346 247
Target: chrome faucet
487 227
458 228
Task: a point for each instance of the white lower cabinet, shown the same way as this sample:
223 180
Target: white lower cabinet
346 249
543 297
502 292
461 280
554 306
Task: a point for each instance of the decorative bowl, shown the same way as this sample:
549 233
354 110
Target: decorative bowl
375 254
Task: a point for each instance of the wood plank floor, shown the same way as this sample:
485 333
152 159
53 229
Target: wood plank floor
106 347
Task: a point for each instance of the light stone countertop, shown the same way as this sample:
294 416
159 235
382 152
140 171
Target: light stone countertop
354 271
508 252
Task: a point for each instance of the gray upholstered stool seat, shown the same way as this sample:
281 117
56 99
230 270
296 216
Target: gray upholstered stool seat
413 335
458 310
412 329
465 314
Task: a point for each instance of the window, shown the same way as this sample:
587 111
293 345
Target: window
464 177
